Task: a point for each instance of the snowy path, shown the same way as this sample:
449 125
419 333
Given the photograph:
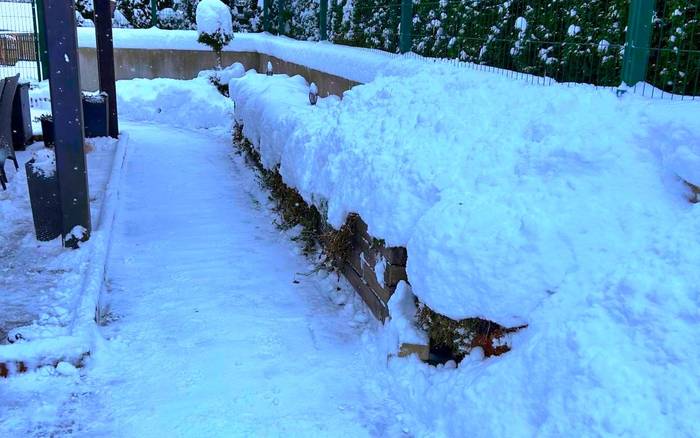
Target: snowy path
210 335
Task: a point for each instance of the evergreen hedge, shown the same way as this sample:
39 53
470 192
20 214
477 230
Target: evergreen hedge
567 40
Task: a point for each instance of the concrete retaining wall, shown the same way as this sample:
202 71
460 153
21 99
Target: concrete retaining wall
185 64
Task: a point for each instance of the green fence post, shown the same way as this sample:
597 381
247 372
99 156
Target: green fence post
43 54
637 42
266 15
280 17
36 42
323 17
406 26
154 13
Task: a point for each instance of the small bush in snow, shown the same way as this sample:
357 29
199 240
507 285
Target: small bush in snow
214 26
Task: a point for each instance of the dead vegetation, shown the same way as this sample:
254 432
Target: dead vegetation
449 339
694 196
456 339
332 246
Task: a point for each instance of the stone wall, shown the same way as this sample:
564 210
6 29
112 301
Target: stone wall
185 64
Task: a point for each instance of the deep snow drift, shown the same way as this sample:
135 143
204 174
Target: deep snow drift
558 206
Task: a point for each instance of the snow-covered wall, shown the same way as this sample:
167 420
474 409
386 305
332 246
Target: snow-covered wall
355 64
560 207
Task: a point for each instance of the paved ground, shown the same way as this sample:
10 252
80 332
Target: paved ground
213 331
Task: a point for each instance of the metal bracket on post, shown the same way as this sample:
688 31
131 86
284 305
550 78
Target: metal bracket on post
322 20
637 42
406 27
154 13
67 111
105 60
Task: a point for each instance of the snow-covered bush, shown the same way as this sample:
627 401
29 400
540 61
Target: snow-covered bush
85 10
119 20
169 18
214 26
304 18
136 12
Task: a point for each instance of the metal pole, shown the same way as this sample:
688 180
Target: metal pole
154 13
105 60
638 40
406 26
36 41
323 17
280 17
41 37
67 110
266 15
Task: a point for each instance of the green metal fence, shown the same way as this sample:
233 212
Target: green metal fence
647 47
18 40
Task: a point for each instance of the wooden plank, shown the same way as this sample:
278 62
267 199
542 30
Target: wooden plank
376 306
370 278
392 275
396 255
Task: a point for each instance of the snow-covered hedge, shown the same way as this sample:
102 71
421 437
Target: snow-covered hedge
553 206
172 14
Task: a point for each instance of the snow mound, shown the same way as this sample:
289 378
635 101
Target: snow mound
559 207
187 104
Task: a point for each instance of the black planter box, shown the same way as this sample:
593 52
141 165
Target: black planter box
96 115
48 133
21 118
46 206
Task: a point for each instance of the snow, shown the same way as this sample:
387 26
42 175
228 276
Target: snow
171 102
573 30
213 17
44 162
577 225
46 288
216 326
357 64
223 76
402 325
560 207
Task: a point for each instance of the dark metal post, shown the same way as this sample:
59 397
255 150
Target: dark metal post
66 107
280 17
266 15
322 20
41 37
154 13
105 61
638 40
406 26
36 41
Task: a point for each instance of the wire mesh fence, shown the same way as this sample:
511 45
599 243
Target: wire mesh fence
18 42
652 45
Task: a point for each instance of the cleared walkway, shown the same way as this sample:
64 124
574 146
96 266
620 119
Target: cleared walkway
212 330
